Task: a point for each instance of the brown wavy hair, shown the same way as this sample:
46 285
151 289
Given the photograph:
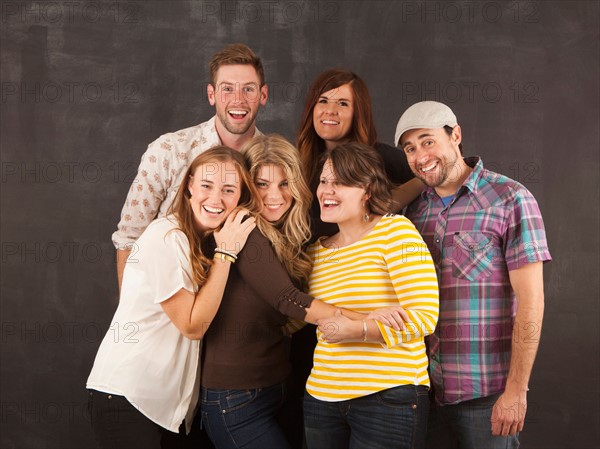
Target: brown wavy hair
359 165
201 252
235 54
310 145
292 230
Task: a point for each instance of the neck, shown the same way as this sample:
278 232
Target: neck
331 144
351 231
233 141
450 187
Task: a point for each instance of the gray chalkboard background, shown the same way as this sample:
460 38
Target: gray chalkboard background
86 85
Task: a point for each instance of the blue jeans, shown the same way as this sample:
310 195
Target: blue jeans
244 418
466 425
396 417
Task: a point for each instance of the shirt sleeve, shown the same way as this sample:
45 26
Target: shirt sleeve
259 267
160 263
414 278
146 194
525 234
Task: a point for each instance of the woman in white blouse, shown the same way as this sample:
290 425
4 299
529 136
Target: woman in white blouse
146 373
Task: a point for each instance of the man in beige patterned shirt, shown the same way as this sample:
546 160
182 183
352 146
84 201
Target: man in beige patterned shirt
237 90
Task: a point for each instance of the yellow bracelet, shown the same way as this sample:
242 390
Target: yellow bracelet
222 256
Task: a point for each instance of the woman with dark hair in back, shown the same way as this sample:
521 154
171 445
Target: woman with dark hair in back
337 110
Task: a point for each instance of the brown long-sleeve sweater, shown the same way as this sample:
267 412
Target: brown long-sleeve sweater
244 346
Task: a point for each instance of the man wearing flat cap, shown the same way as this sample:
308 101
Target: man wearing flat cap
487 239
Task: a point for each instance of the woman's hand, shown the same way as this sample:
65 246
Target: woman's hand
234 233
394 317
338 328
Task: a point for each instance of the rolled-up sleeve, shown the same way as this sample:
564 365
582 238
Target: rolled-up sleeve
146 194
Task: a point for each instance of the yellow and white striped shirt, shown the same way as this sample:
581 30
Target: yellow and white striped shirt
391 266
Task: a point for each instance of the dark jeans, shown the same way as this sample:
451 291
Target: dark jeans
244 418
466 426
119 425
392 418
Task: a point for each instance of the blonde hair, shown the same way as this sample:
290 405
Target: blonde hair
200 252
288 234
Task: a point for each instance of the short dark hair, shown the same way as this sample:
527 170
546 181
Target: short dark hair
359 165
448 130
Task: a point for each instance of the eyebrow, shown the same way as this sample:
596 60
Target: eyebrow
232 83
208 181
338 99
419 137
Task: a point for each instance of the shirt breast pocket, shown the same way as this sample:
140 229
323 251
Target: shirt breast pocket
472 256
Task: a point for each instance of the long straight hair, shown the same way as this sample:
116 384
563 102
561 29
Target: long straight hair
310 145
200 252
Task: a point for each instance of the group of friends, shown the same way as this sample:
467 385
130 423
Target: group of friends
230 241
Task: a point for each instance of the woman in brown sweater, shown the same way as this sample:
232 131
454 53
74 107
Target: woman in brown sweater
246 359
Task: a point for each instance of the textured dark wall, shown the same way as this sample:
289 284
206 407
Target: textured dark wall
86 85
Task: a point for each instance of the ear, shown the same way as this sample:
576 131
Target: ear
264 94
210 93
456 135
190 182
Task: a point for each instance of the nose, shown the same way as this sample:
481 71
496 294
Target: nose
327 188
215 196
331 108
273 193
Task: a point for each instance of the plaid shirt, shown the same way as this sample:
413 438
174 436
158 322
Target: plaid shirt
492 226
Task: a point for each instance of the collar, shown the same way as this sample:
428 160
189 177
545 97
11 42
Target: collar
470 183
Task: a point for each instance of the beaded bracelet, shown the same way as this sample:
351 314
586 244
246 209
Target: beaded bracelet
222 256
224 251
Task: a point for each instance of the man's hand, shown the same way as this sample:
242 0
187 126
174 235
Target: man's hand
508 414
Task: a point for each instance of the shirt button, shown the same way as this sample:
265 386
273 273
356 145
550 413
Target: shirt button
110 396
437 240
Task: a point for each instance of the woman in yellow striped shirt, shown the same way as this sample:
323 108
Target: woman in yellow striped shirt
369 384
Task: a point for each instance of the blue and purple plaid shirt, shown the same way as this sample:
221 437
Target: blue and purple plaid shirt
492 226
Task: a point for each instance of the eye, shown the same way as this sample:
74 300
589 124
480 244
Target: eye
229 190
262 184
227 89
283 184
323 181
408 149
343 103
205 186
249 89
428 143
322 100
